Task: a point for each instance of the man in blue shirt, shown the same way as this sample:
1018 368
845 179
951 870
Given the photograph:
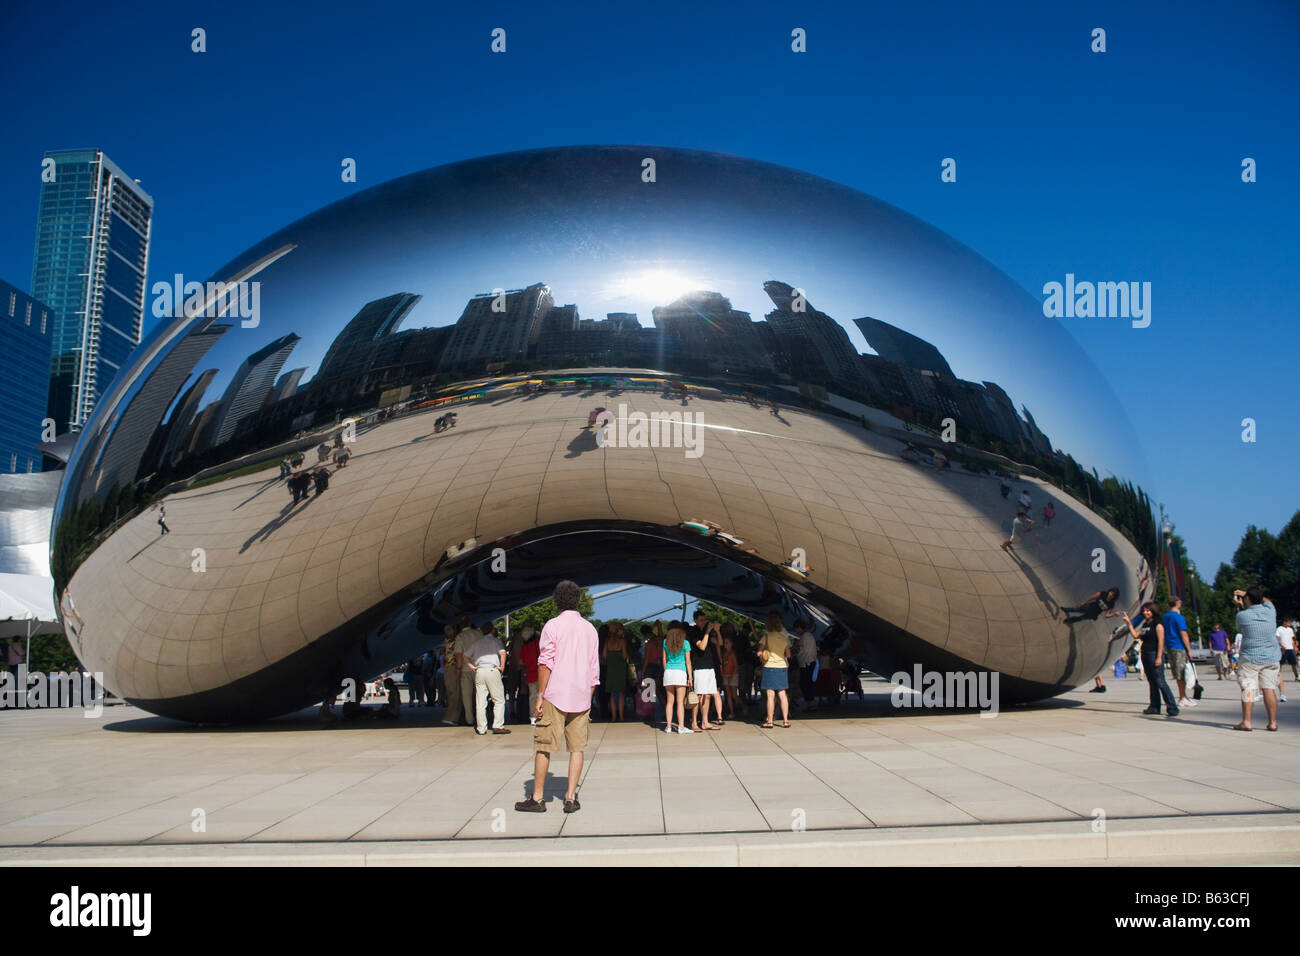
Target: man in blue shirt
1260 653
1178 647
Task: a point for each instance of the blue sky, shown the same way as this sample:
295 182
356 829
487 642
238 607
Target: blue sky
1116 166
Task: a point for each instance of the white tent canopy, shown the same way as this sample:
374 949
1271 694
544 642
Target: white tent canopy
27 605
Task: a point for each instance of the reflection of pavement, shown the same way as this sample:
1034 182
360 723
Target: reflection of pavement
917 547
287 780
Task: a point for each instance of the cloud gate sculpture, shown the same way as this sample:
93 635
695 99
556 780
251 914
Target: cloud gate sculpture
713 375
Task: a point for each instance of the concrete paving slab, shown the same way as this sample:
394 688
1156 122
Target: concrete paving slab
126 779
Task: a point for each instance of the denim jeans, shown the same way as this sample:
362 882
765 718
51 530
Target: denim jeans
1157 685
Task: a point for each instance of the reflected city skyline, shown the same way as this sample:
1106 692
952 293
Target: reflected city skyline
869 390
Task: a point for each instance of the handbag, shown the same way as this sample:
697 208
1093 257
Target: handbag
692 699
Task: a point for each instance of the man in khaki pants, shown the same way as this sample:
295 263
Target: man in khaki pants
450 678
487 656
464 641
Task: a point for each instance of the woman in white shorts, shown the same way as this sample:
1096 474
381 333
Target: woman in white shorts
677 676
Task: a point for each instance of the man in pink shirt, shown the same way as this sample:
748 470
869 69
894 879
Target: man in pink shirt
568 667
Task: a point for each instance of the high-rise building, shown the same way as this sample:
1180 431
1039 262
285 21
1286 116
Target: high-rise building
622 321
90 266
352 349
26 335
125 445
181 427
1006 424
904 348
286 385
704 326
794 317
483 334
1037 440
248 387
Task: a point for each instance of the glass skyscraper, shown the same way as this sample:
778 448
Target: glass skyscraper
90 266
26 332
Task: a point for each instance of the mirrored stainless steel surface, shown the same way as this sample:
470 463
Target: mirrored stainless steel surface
846 384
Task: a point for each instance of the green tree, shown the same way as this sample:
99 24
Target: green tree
1162 592
1272 563
717 612
541 612
50 653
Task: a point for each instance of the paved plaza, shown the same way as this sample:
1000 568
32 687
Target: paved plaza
870 776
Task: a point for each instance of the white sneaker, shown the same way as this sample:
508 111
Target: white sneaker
1184 702
668 729
533 721
1190 702
1281 697
685 730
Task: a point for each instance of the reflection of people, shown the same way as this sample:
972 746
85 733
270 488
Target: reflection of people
1022 523
162 520
1093 606
1024 499
1004 486
298 483
1049 512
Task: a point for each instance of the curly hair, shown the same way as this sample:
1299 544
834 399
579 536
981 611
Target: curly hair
567 595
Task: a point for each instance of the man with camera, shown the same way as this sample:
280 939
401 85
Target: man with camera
1258 665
